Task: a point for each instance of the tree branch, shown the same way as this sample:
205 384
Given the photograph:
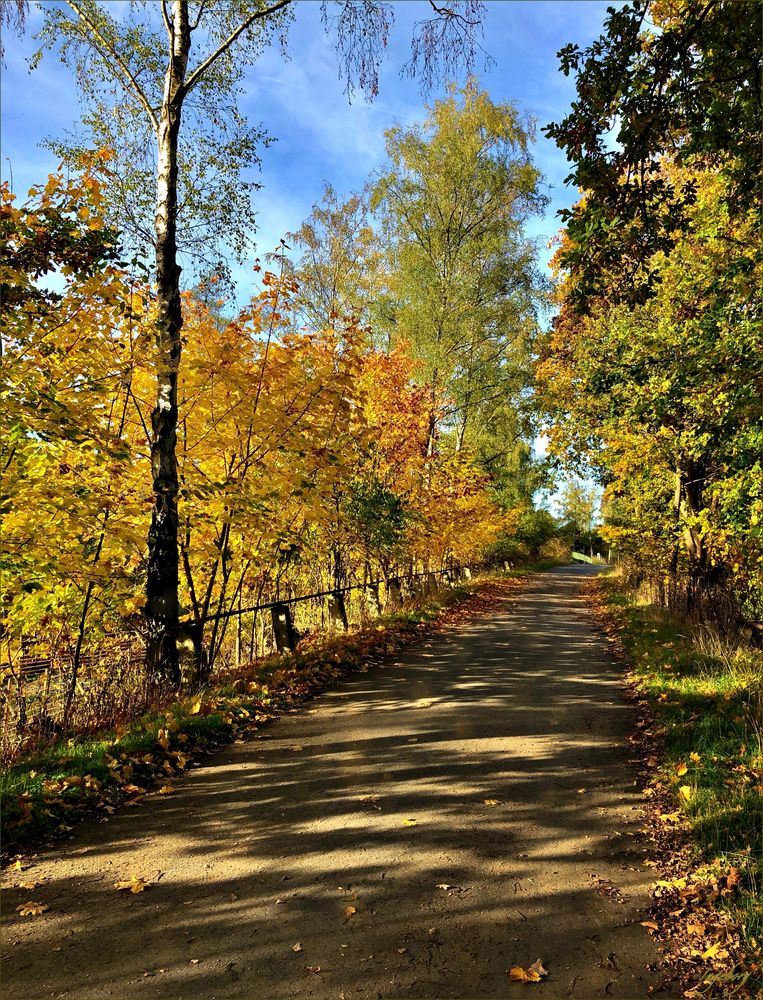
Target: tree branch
200 70
128 79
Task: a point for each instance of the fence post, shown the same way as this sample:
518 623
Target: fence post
394 597
373 593
337 609
283 628
191 655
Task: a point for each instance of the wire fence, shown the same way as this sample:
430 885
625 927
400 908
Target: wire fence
49 687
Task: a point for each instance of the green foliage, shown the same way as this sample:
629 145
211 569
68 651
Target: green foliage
676 79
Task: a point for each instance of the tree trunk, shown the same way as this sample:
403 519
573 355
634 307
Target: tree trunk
162 582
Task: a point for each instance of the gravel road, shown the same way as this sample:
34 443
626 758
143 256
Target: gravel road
415 832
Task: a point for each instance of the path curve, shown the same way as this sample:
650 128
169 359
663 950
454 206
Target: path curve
310 862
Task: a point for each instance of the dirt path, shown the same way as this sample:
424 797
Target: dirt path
371 797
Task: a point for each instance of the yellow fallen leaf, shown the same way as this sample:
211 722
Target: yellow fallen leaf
409 822
524 975
650 924
670 817
695 928
134 884
681 769
581 791
712 951
297 946
163 738
166 790
685 792
195 707
348 911
31 909
491 802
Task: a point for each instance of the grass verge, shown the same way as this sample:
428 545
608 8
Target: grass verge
701 735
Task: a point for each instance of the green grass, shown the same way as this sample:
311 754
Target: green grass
705 693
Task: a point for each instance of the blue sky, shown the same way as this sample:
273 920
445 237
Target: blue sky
301 103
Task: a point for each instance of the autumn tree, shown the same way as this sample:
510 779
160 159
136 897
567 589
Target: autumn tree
461 275
667 78
146 65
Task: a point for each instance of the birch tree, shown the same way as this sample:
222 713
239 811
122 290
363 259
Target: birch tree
146 61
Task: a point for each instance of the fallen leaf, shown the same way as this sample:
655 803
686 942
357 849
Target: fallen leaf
195 961
524 975
401 951
694 757
166 790
650 924
698 929
581 791
537 966
195 707
296 748
315 969
132 789
444 885
712 951
163 739
685 792
670 817
297 946
491 802
733 878
348 911
31 909
27 885
134 884
409 822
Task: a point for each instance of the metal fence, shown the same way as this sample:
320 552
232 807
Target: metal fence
41 692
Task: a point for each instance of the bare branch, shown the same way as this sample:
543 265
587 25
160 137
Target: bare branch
128 79
200 70
166 18
444 43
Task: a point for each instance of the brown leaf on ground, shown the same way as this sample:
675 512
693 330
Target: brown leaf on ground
537 966
31 909
133 884
348 911
297 946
